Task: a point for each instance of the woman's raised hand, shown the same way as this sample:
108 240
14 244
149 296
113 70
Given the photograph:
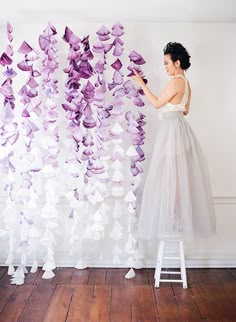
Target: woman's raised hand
138 78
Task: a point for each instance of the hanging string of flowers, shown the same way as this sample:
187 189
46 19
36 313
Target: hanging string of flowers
9 134
25 191
136 155
50 150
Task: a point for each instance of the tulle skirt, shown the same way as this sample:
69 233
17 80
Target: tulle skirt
176 199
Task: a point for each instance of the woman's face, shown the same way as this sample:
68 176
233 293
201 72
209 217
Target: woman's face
170 67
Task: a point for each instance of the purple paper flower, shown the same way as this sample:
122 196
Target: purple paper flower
5 60
117 30
118 50
117 64
103 33
9 72
136 58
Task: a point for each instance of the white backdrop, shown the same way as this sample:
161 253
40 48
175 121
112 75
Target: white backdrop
212 116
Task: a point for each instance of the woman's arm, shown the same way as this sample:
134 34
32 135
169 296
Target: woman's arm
167 94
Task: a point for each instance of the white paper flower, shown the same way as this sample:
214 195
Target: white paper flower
130 197
117 129
130 274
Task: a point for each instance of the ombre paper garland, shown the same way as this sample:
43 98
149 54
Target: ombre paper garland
97 156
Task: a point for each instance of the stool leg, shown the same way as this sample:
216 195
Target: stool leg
182 264
157 275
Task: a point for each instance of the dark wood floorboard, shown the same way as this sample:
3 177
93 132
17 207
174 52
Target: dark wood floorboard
104 295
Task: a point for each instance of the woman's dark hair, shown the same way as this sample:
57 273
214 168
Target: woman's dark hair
178 52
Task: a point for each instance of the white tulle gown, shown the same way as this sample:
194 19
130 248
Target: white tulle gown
176 199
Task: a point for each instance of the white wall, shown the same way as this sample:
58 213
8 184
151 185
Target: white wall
212 116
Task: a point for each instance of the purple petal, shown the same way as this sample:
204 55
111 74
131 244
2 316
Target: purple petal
117 101
70 37
88 90
117 40
128 85
98 48
44 43
89 122
25 48
9 50
138 102
136 58
119 92
5 60
88 151
9 28
9 72
117 64
23 65
117 30
85 69
35 73
104 38
88 111
129 116
87 139
140 152
7 114
103 31
32 83
13 138
6 88
117 78
25 113
107 48
118 50
104 114
134 170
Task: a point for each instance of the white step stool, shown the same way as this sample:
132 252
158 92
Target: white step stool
160 257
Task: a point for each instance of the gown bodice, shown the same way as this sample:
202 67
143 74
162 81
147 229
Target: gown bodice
170 107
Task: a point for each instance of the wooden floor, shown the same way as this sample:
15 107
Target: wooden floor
104 295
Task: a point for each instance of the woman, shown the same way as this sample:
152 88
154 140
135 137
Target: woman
176 197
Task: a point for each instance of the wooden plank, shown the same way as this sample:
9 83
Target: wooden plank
212 306
208 276
5 279
116 276
43 281
62 275
233 272
38 303
16 303
166 303
200 301
230 290
224 276
59 305
30 278
100 310
97 276
143 303
81 304
120 304
186 303
222 303
3 270
150 273
6 292
141 277
80 276
193 276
